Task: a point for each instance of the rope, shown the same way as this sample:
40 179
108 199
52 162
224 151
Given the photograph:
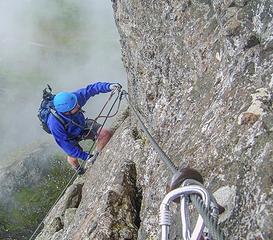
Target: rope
119 96
95 120
209 221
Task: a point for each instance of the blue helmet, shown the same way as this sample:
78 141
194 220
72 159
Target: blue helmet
64 102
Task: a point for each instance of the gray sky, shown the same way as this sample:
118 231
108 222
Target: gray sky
65 43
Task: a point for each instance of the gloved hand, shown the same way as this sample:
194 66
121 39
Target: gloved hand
93 157
90 157
115 86
80 170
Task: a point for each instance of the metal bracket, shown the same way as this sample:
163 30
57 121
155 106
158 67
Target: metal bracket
180 176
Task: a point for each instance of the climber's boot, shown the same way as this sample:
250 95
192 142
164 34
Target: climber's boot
80 170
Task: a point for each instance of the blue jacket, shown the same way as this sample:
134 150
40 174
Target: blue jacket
63 136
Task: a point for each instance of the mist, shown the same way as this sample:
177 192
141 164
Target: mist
64 43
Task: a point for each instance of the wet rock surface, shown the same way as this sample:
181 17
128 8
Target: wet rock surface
200 73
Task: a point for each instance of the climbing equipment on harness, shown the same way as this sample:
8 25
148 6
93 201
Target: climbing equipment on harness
189 188
119 97
165 215
202 208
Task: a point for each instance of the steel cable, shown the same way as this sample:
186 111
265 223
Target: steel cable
209 221
160 152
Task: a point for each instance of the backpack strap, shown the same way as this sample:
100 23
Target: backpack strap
54 113
78 125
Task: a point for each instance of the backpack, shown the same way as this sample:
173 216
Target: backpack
47 107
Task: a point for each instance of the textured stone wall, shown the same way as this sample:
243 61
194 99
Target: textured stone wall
200 72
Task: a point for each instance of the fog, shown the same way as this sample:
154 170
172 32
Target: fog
65 43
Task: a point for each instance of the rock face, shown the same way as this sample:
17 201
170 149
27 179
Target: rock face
110 197
201 74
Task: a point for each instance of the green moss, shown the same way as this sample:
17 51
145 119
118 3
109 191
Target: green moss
33 203
3 219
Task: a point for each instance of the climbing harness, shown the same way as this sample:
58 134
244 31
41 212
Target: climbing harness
119 96
210 220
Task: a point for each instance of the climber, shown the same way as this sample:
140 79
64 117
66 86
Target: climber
68 106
